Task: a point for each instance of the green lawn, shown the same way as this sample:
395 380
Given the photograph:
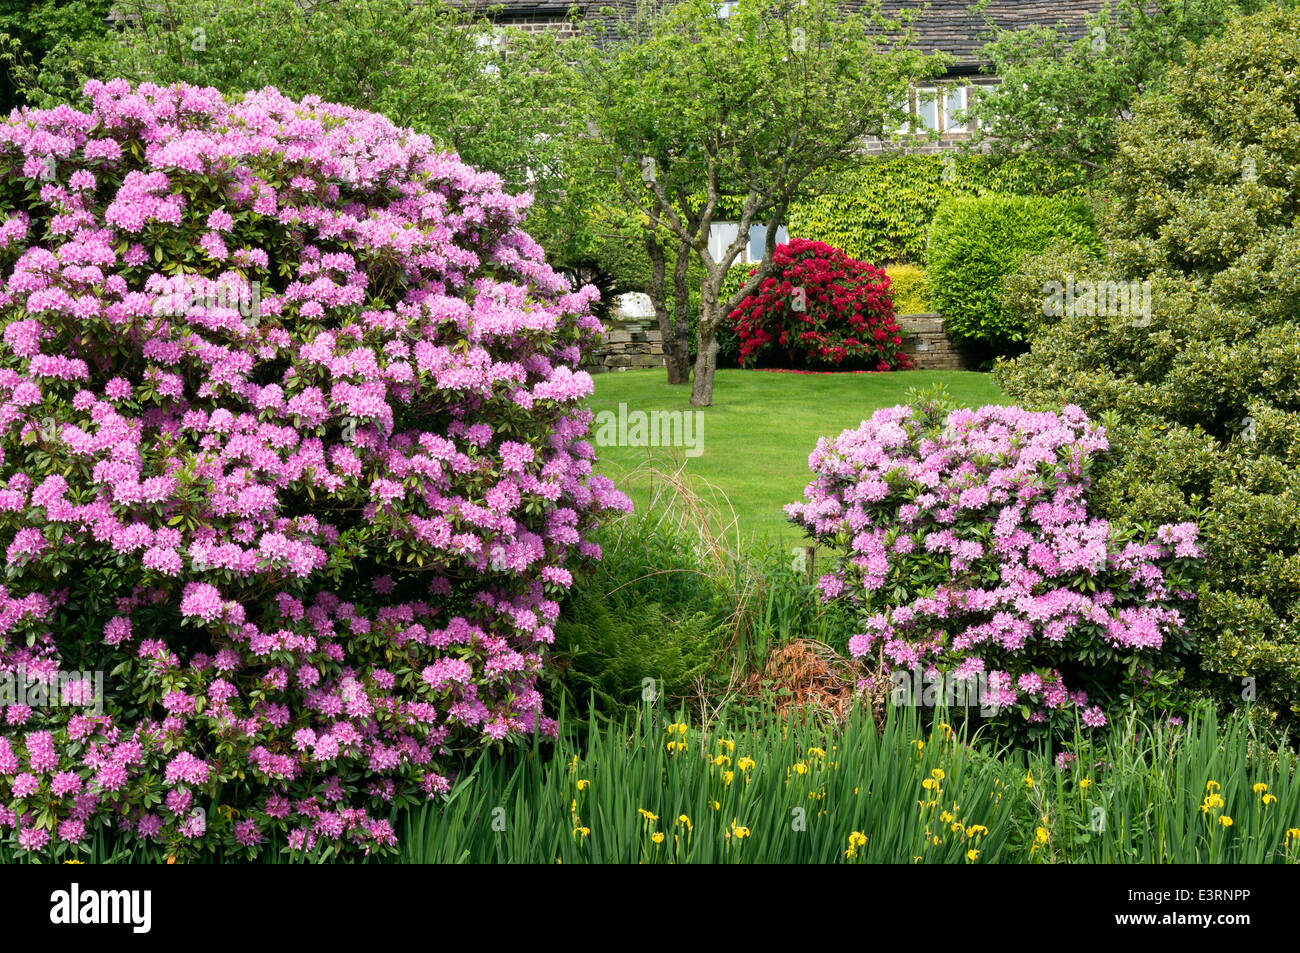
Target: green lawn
757 435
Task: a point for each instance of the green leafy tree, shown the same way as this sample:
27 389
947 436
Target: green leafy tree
1061 93
700 118
446 70
1200 391
31 29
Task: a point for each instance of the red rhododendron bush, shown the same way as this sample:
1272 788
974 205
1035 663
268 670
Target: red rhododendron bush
819 308
293 462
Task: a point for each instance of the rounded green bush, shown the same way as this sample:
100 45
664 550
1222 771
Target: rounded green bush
976 242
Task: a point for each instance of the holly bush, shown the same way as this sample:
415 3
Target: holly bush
1202 398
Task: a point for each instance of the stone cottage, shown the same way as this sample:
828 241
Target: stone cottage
946 26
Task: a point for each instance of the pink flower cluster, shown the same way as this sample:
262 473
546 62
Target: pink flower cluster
965 543
291 446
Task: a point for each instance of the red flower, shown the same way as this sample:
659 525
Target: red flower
846 312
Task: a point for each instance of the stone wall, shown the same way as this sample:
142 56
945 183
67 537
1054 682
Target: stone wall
538 22
925 341
632 339
918 144
628 343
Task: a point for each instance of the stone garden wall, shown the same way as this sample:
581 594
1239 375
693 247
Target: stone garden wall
632 339
925 341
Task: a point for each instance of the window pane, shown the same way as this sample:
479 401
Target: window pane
927 108
905 105
953 106
757 236
721 235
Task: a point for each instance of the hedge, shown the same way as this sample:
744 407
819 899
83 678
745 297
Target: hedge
882 213
976 242
910 289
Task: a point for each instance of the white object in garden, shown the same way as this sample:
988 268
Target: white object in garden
635 305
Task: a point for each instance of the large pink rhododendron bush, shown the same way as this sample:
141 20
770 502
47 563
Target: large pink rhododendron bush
965 544
291 453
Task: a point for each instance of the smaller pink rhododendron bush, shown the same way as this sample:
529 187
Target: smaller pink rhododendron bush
964 542
292 459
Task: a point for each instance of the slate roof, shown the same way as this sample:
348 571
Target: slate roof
949 26
946 26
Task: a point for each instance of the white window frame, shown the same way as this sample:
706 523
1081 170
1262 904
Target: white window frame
906 126
930 93
973 91
939 95
490 43
948 124
722 234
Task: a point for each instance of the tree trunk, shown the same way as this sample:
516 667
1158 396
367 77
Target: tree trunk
673 329
677 357
706 344
706 362
680 344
